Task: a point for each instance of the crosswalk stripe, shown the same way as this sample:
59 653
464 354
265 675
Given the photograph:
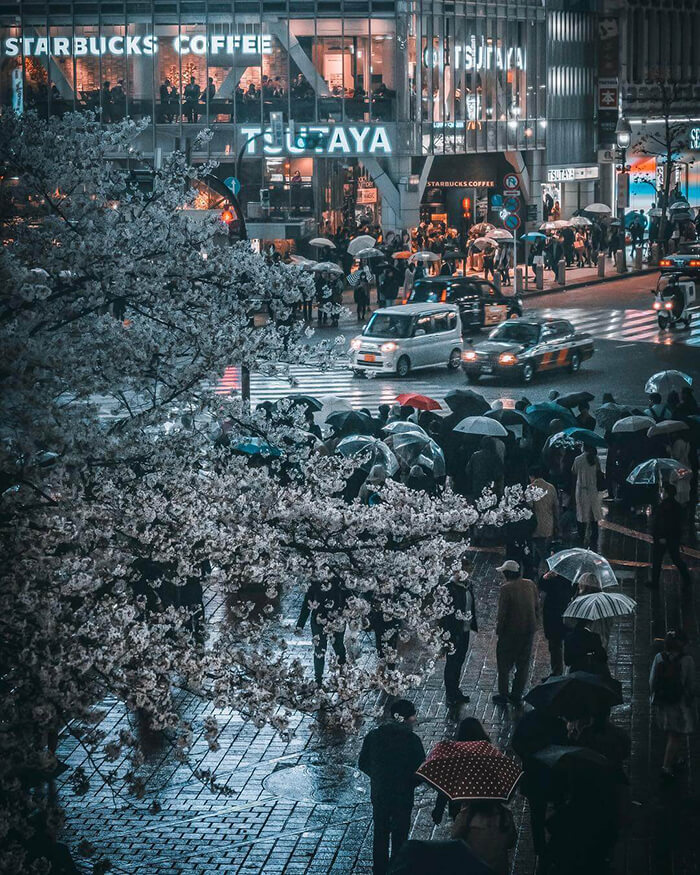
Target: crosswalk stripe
628 325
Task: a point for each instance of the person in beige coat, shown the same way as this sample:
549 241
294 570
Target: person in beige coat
516 624
587 472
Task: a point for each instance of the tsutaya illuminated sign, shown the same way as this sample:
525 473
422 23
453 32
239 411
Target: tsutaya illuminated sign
340 140
473 56
77 46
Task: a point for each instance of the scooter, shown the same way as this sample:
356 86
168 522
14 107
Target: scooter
675 301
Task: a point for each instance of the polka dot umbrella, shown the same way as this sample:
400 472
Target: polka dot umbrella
470 770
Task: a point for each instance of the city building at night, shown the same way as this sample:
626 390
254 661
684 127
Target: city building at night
423 109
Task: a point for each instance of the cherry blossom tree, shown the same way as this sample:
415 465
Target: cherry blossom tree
124 496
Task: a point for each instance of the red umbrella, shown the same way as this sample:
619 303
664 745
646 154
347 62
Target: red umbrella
470 770
420 402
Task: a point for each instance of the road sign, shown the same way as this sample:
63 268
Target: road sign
511 182
512 203
496 200
233 184
512 221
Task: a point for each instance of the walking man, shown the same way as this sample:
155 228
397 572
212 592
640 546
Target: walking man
516 623
324 607
457 624
667 529
390 755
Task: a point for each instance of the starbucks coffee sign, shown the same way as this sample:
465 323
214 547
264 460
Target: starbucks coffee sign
82 46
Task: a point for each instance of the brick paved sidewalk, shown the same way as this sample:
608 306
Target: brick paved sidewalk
315 818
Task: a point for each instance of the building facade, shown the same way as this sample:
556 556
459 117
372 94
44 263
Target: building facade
424 107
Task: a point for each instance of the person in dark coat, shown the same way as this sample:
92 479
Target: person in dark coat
327 604
451 857
557 595
667 527
458 631
390 755
584 651
584 418
484 470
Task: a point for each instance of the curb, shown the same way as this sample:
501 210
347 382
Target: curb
596 281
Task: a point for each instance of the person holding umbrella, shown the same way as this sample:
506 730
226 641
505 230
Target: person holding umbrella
516 623
390 756
588 476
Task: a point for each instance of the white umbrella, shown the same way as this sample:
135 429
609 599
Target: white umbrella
630 424
322 241
580 221
668 381
483 242
361 242
668 426
500 234
601 606
561 223
548 226
597 208
482 425
330 404
301 261
369 252
424 255
328 266
575 561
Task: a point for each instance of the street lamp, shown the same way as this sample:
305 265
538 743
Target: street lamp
623 138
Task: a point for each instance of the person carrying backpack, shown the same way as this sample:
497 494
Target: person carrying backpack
671 682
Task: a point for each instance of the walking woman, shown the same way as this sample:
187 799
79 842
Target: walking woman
588 475
673 699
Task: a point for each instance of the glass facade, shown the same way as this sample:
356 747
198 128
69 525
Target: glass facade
406 78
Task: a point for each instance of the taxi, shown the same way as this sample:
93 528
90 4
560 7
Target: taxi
521 348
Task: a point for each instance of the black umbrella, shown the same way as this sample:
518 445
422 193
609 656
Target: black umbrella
450 857
467 402
581 760
577 693
506 416
308 401
347 422
453 255
574 399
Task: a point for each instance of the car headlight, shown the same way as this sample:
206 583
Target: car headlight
355 343
390 346
469 355
669 305
507 358
656 305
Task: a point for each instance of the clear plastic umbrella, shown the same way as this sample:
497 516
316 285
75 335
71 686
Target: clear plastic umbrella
575 561
322 242
327 266
629 424
424 255
580 221
330 404
481 425
668 426
653 470
361 242
601 606
369 253
668 381
411 449
609 413
433 458
370 451
598 208
500 234
401 426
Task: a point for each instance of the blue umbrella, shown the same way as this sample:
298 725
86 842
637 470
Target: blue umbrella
541 415
583 436
533 235
255 446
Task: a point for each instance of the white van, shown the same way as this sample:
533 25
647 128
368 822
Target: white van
402 339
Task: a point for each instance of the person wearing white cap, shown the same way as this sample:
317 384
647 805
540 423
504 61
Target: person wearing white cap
516 624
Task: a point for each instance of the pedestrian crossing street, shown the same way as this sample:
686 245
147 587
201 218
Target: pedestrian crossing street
633 326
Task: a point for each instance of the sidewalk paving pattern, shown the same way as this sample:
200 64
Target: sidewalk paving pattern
300 806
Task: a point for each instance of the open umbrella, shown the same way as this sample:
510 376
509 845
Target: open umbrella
582 760
481 425
507 416
322 242
424 255
453 255
466 402
655 212
482 228
307 401
470 770
579 435
533 235
575 561
411 448
420 402
401 255
653 470
668 381
577 692
574 399
330 404
600 606
500 234
561 223
327 266
432 458
580 221
300 261
541 415
630 424
361 242
255 446
370 450
548 226
347 422
448 857
668 426
402 426
598 208
369 253
483 242
609 413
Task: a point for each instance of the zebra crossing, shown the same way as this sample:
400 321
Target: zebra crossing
633 326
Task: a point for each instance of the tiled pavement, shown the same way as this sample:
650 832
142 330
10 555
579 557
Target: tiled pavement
271 822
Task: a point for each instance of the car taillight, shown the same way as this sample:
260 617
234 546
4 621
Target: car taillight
695 262
469 355
665 262
507 358
389 347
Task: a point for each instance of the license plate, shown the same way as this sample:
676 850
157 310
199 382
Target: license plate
369 358
487 369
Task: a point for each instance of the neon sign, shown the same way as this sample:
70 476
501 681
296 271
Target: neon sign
471 56
694 139
341 140
80 46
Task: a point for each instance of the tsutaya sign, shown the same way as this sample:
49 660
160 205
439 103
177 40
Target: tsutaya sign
473 56
77 46
340 140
